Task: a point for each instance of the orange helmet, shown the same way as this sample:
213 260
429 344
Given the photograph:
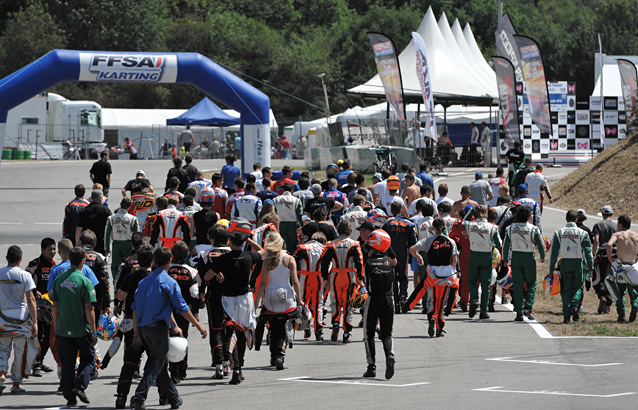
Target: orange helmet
240 228
206 196
394 183
551 283
379 240
357 300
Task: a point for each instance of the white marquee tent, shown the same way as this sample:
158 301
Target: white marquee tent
458 71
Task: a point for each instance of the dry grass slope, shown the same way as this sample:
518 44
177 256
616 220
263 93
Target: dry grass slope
609 179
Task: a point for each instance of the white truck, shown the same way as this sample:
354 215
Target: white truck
51 118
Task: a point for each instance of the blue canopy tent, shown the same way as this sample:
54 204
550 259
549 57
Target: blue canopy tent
204 112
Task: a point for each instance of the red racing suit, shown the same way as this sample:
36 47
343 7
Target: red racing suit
308 257
342 265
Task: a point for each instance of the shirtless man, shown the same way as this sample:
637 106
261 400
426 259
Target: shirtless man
626 242
411 192
463 202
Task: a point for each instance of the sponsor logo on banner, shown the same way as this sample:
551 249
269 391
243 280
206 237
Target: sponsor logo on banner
610 117
562 131
544 146
528 145
562 145
571 131
536 131
611 132
527 132
611 103
381 49
594 103
562 117
582 117
529 51
123 67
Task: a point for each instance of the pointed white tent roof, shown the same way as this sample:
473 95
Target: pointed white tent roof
450 79
479 64
474 48
467 60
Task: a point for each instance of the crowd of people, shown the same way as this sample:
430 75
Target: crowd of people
270 253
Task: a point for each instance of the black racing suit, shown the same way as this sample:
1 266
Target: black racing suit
40 268
403 235
97 262
379 278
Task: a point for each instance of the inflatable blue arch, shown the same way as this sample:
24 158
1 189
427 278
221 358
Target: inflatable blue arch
183 68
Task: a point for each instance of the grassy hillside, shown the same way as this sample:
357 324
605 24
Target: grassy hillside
609 179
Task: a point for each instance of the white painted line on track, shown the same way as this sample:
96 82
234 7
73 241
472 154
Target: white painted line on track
47 223
10 223
548 362
307 379
543 333
499 389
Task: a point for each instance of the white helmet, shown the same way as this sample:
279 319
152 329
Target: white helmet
177 347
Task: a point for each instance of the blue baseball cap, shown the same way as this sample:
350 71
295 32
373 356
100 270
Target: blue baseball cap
269 202
467 208
478 175
522 188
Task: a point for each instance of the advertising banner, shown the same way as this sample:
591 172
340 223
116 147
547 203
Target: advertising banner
128 67
385 57
505 78
534 76
256 146
506 46
628 79
426 88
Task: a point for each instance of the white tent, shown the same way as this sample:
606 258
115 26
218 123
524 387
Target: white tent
612 86
478 60
450 78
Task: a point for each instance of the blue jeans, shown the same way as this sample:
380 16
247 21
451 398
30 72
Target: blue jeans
156 368
68 348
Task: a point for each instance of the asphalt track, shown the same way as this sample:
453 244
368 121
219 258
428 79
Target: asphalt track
478 364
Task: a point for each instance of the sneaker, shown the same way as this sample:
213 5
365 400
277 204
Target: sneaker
566 319
601 306
431 327
138 405
177 403
371 372
473 307
576 314
632 315
47 369
335 333
227 369
79 393
16 389
389 367
37 372
306 333
120 402
519 317
319 337
347 338
440 333
219 373
235 379
621 318
279 363
528 314
484 315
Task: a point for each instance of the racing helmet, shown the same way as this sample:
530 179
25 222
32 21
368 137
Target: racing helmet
107 326
357 300
303 319
377 217
379 240
505 281
177 347
548 243
240 228
223 222
394 183
331 169
44 309
551 284
496 258
206 196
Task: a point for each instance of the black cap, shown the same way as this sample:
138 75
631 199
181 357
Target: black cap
366 225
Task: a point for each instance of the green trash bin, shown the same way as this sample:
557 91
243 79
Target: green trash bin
27 155
17 154
6 153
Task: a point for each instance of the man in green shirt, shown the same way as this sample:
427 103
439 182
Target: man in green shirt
72 296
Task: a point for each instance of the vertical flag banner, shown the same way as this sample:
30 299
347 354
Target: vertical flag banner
506 46
534 77
602 132
424 81
385 56
629 81
505 78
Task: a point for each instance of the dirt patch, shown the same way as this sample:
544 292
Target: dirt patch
609 179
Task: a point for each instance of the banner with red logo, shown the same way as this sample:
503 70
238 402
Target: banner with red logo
387 62
506 80
424 81
534 77
629 81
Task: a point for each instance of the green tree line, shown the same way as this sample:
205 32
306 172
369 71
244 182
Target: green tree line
285 44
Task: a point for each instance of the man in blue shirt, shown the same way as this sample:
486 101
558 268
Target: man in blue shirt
156 297
424 176
64 247
229 172
342 176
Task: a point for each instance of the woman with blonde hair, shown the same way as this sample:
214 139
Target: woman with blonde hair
279 270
